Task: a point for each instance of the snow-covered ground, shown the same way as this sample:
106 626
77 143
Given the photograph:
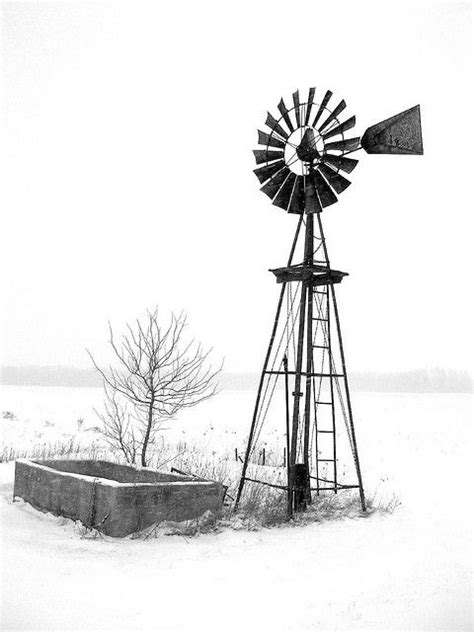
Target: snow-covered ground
410 570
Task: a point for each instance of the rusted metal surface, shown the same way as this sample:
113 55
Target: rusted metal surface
312 201
309 105
322 107
264 155
338 182
341 128
298 197
340 162
348 144
274 125
284 194
272 186
284 112
325 192
301 484
334 114
296 103
317 274
289 508
270 140
264 173
308 261
306 150
399 134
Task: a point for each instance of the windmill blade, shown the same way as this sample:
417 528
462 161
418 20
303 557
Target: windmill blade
322 107
274 125
297 197
340 162
348 144
338 182
399 134
312 203
309 105
340 129
263 173
334 114
284 112
265 155
272 186
296 102
284 194
325 193
269 140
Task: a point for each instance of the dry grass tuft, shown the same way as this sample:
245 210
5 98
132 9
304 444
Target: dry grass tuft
66 449
260 507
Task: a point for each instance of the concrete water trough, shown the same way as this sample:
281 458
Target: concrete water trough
116 499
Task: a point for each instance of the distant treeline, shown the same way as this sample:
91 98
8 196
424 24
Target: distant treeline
49 376
415 381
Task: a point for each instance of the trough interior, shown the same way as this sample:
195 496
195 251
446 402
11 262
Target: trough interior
113 471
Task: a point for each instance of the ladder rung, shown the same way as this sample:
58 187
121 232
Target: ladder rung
326 431
326 460
319 292
320 347
326 403
323 319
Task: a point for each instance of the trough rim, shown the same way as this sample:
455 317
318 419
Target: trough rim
109 481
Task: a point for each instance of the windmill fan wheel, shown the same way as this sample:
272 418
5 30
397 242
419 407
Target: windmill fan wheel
304 153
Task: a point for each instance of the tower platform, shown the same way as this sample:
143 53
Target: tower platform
318 274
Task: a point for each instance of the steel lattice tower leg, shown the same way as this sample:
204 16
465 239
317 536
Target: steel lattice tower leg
299 424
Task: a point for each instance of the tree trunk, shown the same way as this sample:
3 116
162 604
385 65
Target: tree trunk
148 431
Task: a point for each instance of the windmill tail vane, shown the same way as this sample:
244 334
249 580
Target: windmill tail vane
302 164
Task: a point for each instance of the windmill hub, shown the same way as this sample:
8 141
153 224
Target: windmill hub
303 149
307 150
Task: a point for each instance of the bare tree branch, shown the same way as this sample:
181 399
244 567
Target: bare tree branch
158 374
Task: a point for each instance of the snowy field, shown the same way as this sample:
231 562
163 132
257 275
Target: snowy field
410 570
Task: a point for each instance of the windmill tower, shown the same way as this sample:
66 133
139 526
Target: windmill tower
304 386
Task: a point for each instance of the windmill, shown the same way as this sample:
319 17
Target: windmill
303 163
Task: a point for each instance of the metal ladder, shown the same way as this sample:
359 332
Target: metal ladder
326 347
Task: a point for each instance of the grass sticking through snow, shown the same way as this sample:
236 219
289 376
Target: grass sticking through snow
260 506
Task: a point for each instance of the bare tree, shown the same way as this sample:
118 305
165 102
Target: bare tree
158 374
118 425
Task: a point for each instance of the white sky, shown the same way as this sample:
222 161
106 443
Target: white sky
127 137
